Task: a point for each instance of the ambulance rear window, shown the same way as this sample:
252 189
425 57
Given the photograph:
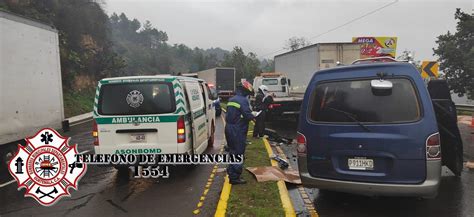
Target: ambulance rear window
136 99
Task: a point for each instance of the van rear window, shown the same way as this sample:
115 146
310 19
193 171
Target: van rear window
136 99
348 101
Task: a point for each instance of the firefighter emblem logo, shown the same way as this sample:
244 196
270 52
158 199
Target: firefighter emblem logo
135 99
46 166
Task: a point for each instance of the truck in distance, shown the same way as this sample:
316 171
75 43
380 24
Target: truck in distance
298 66
223 79
284 102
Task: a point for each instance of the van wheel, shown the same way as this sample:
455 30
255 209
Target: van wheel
210 140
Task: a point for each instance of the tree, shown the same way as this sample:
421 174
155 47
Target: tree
246 66
294 43
456 55
267 65
409 56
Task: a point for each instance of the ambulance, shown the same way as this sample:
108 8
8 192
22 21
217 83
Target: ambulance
159 114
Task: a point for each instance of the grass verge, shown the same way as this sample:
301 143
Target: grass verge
254 198
76 103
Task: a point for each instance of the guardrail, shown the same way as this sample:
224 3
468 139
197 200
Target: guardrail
465 107
76 120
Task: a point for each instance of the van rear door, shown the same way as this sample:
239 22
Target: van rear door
137 117
446 116
356 134
197 107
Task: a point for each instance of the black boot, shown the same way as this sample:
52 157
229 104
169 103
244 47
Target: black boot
239 181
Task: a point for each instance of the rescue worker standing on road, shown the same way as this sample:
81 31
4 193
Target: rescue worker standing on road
262 101
237 119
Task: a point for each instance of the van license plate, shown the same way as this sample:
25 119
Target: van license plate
139 137
360 164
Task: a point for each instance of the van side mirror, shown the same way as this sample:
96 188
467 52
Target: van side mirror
289 82
381 87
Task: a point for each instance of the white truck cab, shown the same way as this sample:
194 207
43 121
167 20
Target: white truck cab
153 115
277 83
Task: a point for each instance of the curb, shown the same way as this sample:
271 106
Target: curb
225 193
75 120
222 205
284 196
79 119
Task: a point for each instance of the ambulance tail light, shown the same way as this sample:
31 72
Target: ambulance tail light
95 133
301 144
181 130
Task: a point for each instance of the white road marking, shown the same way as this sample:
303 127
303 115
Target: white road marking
86 151
7 183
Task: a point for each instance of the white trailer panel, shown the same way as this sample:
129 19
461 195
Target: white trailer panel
30 78
300 65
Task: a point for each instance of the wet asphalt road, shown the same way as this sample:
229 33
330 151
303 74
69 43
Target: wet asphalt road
105 192
455 197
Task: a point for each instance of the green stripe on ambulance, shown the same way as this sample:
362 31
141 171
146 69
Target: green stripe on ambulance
138 119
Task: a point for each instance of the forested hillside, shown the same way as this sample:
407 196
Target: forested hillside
146 51
94 45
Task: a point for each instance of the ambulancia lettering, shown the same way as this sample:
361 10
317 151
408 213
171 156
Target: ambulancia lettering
127 120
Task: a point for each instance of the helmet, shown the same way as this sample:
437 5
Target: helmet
263 88
246 87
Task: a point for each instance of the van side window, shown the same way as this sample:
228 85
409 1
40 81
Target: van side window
338 101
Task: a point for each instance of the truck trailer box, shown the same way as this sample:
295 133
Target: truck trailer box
300 65
30 78
222 77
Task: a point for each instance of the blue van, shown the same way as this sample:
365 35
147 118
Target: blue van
369 129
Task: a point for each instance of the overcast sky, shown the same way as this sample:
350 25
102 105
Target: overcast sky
263 26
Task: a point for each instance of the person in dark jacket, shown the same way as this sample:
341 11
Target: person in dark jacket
262 101
237 119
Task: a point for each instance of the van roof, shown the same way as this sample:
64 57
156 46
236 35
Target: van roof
396 68
152 77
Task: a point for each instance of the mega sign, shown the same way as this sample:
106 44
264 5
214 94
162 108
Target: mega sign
376 46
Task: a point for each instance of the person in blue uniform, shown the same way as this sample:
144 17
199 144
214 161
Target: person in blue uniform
237 119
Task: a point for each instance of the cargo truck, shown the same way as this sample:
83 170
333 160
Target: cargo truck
223 79
30 79
295 69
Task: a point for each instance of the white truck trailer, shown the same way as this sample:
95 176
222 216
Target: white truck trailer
31 93
296 69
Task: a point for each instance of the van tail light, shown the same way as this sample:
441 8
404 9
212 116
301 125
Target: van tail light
301 144
272 106
181 130
95 133
433 147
